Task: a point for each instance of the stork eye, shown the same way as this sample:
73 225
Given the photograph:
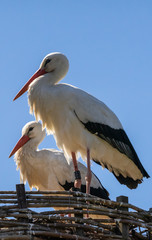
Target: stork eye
47 61
31 128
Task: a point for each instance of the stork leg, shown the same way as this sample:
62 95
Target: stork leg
77 183
89 174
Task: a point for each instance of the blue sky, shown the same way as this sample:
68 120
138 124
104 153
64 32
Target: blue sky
109 46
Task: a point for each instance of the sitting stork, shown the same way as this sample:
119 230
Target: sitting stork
48 169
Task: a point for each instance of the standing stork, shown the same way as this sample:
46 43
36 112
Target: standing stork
81 123
48 169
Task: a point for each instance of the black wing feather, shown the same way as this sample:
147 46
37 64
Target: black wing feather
98 192
117 138
129 182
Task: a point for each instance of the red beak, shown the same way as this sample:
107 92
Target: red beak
24 139
25 88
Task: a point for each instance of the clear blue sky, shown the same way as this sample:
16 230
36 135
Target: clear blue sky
109 46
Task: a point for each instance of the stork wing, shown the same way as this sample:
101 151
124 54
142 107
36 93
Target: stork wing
117 138
98 119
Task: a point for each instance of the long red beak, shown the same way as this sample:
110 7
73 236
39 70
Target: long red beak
24 139
25 88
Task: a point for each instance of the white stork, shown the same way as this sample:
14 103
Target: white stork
48 169
81 123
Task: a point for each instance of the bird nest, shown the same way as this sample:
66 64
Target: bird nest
76 216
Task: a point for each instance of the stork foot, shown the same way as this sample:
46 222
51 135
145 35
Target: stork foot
77 183
75 189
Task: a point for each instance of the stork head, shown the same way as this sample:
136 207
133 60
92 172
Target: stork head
54 64
32 132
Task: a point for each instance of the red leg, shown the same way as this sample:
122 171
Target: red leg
77 183
89 174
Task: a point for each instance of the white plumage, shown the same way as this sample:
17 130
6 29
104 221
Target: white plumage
81 123
47 169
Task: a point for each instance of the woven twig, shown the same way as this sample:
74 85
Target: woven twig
15 222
